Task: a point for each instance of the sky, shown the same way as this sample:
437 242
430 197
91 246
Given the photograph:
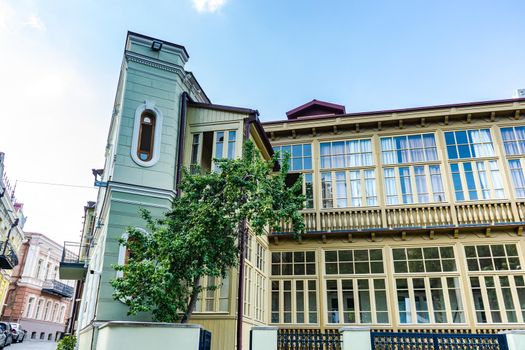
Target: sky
60 61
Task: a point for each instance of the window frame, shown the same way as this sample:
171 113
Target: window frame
147 107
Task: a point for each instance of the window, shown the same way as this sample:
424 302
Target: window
195 149
425 300
225 144
260 296
294 301
47 309
300 156
357 261
214 300
260 258
357 300
54 313
29 309
39 268
308 190
477 180
39 309
293 263
497 257
469 144
514 140
346 154
434 295
408 149
518 179
416 184
498 298
147 132
353 188
146 136
62 314
429 259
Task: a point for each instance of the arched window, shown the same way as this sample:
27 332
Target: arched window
39 308
30 307
54 314
124 253
46 312
147 130
146 136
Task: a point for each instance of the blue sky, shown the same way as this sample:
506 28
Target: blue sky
60 62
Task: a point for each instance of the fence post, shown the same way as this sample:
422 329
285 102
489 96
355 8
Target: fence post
356 338
263 338
515 339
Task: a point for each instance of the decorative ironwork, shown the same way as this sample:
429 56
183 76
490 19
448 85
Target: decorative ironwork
436 341
8 257
58 288
205 340
288 339
72 253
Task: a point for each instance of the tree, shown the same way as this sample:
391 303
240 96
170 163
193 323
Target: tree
197 237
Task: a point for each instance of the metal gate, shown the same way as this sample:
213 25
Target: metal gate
435 341
205 340
288 339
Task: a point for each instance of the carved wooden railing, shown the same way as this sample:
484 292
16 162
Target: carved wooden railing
435 215
484 213
337 220
411 216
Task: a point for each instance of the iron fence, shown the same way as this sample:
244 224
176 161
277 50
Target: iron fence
58 288
308 340
205 340
436 341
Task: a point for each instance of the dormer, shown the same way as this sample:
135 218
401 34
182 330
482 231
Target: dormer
315 108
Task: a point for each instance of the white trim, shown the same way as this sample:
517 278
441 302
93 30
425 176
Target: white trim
122 250
150 107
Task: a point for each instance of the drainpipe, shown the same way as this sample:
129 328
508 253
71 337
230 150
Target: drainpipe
182 130
242 245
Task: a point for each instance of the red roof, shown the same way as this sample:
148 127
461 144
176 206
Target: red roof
314 108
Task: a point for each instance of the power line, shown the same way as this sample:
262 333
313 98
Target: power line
54 184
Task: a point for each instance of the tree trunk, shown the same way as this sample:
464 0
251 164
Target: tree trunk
193 300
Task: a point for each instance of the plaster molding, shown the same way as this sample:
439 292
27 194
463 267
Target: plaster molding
147 106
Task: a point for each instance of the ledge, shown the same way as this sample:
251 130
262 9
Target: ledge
148 324
265 328
354 328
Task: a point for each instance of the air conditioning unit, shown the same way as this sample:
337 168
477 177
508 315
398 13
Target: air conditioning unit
520 93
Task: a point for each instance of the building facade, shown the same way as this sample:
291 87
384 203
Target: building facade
37 298
12 221
414 217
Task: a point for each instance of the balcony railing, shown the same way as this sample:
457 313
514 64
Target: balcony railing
73 263
413 216
8 258
58 288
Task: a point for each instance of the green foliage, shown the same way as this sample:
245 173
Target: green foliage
67 343
198 236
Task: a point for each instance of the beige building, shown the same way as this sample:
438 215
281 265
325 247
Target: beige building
415 219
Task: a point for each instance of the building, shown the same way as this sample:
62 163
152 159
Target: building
37 298
415 216
12 221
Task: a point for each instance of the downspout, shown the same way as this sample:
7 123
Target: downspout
242 242
180 142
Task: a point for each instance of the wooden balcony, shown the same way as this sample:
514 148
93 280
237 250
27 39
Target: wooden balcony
428 216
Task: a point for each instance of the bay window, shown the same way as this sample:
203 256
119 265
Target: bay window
407 180
478 178
514 144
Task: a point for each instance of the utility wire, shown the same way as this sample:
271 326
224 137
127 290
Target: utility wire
54 184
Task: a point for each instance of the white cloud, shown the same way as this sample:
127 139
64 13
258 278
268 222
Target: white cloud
208 5
35 22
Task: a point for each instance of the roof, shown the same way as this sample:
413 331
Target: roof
402 110
130 33
315 107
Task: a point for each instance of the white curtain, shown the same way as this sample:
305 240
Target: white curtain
483 180
387 150
517 177
429 142
401 143
370 187
481 142
355 188
415 143
353 153
338 151
437 183
509 141
366 150
421 184
497 181
325 155
390 186
340 190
